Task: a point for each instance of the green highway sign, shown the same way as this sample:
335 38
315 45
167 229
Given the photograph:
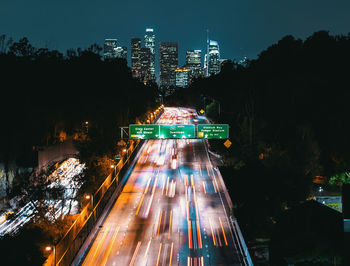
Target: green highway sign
143 131
204 131
212 131
177 131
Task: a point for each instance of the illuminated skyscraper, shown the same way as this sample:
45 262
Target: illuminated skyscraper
168 53
121 52
182 76
194 62
145 63
135 57
150 43
109 52
113 51
213 58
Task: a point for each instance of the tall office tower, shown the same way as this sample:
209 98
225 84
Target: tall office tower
213 58
150 43
121 52
110 46
194 62
168 57
145 64
182 76
135 57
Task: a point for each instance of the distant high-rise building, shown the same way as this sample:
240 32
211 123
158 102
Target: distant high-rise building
145 63
212 58
121 52
150 43
194 62
135 57
168 53
109 49
113 51
182 76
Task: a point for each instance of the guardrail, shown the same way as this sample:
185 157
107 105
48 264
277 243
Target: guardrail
67 248
240 242
243 249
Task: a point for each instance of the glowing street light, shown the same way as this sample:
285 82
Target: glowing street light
90 197
49 249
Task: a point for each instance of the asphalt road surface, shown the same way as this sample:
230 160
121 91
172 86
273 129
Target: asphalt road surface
171 211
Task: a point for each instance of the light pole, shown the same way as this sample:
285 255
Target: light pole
88 197
49 248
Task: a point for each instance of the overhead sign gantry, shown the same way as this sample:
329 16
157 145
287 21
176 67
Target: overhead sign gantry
176 131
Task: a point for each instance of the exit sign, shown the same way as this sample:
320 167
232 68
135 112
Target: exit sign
212 131
143 131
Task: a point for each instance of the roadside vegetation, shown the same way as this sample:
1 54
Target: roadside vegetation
288 115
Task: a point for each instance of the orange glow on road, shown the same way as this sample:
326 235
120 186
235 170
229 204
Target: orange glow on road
106 255
100 243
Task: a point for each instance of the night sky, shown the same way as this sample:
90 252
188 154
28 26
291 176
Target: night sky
242 27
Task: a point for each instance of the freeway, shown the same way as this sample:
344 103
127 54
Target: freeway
171 210
63 176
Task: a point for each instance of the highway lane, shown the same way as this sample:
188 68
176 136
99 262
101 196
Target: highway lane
171 210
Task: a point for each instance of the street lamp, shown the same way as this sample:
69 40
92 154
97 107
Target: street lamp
88 197
125 150
49 249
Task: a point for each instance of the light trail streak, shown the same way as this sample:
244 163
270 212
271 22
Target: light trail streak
171 253
214 186
135 254
146 252
171 214
160 248
138 207
160 220
223 232
190 241
110 246
204 189
100 243
212 232
199 235
167 186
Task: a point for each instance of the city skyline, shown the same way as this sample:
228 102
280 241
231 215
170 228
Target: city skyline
143 63
241 28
